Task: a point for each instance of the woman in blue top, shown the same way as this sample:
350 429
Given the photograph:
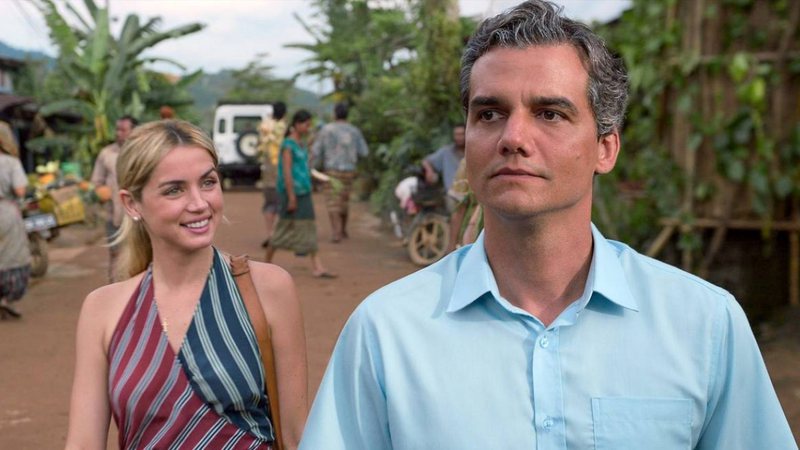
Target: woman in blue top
296 229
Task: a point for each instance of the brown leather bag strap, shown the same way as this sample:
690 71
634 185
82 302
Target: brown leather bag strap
244 281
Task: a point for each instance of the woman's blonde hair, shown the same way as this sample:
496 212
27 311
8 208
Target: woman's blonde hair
141 153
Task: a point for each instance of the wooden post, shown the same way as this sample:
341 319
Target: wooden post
660 241
794 269
794 256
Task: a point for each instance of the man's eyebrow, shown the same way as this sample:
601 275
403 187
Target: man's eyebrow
560 102
484 101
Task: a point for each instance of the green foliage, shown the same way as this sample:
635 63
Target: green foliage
353 44
105 75
400 73
256 82
650 40
166 91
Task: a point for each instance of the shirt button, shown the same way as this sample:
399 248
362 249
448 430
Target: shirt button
548 423
544 341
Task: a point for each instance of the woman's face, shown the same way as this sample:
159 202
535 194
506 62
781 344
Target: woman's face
181 204
303 127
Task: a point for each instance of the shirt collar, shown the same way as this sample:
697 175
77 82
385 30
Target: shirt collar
606 276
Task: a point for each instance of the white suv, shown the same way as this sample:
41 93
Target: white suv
236 139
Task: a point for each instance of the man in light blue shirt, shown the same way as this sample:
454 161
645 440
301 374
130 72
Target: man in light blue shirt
543 334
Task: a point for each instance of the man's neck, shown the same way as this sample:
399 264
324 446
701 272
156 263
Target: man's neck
540 265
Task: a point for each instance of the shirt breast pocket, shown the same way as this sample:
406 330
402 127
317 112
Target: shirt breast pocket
642 423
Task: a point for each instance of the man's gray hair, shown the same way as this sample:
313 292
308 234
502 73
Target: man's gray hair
539 22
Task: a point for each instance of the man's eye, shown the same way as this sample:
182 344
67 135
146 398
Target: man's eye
488 115
550 115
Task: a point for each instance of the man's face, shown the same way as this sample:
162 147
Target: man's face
458 137
531 143
123 130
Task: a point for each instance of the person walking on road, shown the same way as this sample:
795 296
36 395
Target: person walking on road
445 162
104 178
271 132
15 255
170 351
543 334
336 151
297 228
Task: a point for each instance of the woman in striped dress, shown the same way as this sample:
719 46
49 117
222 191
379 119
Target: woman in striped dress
170 352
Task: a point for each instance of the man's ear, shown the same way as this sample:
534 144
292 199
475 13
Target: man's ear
607 152
129 203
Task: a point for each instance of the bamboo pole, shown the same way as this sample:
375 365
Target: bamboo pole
794 268
738 224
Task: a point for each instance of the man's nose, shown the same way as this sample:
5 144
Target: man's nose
515 135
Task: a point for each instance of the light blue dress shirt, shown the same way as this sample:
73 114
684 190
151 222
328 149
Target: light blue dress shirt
649 358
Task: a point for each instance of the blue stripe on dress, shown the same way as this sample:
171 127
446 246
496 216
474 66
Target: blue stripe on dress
221 358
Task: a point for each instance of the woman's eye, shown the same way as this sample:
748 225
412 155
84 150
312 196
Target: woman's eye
209 182
172 191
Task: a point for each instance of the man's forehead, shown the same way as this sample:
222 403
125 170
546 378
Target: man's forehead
541 70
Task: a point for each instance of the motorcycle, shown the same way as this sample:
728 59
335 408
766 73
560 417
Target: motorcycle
41 228
422 221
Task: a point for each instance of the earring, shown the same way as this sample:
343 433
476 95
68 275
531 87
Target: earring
135 218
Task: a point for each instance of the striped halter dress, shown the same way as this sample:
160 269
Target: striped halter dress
208 396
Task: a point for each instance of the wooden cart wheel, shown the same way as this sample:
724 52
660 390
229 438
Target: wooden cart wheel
427 241
39 260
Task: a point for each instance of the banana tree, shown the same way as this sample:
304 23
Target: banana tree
107 72
355 44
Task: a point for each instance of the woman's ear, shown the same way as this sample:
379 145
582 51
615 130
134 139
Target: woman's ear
130 204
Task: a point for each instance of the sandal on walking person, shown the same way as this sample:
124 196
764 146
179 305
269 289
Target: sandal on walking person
325 274
7 310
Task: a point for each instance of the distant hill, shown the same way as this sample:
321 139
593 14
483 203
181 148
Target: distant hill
206 91
212 87
7 51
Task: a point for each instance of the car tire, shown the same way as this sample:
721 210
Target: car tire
247 145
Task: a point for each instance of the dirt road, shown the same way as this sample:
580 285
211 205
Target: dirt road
37 352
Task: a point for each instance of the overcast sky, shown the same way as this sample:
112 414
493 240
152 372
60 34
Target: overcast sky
237 30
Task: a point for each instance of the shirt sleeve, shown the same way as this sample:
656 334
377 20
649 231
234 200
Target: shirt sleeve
316 147
743 410
363 150
99 172
349 412
18 178
436 159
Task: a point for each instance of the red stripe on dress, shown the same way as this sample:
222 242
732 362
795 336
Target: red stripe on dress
209 430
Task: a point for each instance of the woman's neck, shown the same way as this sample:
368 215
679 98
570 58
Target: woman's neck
174 269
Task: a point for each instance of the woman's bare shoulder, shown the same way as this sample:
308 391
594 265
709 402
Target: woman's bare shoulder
104 305
270 276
